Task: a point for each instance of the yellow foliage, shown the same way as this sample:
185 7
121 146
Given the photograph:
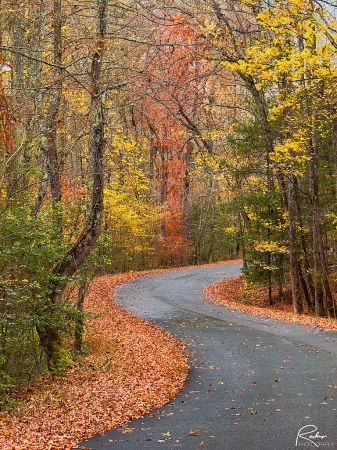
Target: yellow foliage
271 247
129 209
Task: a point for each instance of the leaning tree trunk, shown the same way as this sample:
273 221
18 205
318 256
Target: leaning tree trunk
49 335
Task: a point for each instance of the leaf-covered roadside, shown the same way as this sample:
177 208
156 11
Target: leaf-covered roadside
230 292
133 368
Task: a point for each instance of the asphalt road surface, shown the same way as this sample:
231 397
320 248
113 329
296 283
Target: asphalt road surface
254 383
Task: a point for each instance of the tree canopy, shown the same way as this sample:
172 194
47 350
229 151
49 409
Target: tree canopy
141 135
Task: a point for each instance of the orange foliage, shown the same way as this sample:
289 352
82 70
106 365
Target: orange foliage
71 190
169 88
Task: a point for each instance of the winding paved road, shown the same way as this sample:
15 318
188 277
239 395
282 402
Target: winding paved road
253 384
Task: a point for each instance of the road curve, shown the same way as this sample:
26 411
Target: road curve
254 383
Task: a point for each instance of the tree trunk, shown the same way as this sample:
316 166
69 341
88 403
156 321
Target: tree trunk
319 300
212 223
163 190
41 192
322 274
334 148
279 292
79 328
52 120
81 249
211 236
322 267
304 289
307 276
293 255
49 336
189 148
57 355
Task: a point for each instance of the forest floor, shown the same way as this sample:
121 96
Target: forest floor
233 293
133 368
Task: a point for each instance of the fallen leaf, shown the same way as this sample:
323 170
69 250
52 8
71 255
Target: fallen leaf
133 368
223 292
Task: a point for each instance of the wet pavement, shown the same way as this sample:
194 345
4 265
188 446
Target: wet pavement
254 383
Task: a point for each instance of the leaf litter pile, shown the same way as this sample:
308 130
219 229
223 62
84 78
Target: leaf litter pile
233 293
134 367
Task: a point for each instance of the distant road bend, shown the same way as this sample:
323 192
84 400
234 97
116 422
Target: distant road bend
254 383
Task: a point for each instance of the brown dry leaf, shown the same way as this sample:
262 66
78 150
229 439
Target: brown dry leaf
193 433
134 367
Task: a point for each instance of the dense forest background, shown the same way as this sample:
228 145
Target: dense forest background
143 135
